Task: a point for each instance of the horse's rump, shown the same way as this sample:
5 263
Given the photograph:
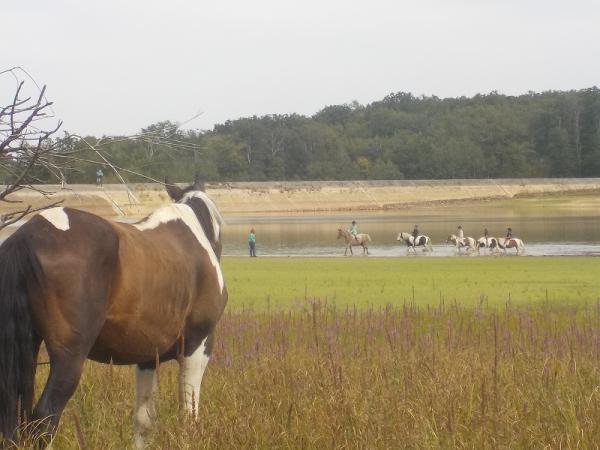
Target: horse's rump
364 238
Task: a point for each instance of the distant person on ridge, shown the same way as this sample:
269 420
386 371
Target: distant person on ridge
99 177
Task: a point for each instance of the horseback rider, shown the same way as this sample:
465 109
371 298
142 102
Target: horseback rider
415 233
461 235
354 230
508 237
485 235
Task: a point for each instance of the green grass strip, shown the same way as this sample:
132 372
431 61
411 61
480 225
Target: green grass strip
281 283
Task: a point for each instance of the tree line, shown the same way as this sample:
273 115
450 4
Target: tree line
550 134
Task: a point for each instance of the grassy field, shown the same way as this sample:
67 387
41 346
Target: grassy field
282 283
309 356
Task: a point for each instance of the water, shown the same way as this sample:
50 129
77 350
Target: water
316 236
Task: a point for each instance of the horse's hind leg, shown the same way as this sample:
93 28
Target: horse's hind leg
67 353
72 323
65 372
144 415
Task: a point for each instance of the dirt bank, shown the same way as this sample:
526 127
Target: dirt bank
285 198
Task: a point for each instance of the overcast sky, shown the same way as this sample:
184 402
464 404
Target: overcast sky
115 66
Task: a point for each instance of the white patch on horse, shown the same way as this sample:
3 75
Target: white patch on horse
57 217
194 367
177 211
215 215
145 384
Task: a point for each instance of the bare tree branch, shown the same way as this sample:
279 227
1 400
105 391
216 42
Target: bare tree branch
15 216
25 147
30 149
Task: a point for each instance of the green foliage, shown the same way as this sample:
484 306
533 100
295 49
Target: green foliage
552 134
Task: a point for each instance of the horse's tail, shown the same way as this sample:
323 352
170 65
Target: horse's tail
367 238
18 266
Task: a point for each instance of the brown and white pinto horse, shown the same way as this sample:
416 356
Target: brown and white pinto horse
491 243
459 243
139 294
361 239
515 243
410 241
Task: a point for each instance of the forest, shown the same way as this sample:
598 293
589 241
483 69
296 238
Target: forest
549 134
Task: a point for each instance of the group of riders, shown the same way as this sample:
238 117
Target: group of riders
459 239
486 241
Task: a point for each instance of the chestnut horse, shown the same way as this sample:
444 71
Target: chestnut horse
361 239
112 292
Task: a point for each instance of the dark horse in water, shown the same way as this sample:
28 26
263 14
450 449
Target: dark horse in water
139 294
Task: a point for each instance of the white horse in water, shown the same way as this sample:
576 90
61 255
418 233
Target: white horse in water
410 241
361 239
491 243
515 243
459 243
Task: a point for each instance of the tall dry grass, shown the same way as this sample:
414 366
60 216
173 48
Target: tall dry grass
395 377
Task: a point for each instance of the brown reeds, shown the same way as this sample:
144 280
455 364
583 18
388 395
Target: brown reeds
395 377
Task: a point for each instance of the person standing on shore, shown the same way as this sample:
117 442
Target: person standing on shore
252 243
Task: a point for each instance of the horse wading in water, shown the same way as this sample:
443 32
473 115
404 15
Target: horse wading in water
421 241
491 243
515 243
459 243
361 240
139 294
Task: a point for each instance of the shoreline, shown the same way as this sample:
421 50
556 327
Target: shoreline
243 199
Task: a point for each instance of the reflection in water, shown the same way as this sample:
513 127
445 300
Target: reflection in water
317 236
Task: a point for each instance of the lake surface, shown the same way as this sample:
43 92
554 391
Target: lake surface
316 236
310 235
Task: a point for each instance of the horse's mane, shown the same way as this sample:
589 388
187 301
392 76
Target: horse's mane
215 214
